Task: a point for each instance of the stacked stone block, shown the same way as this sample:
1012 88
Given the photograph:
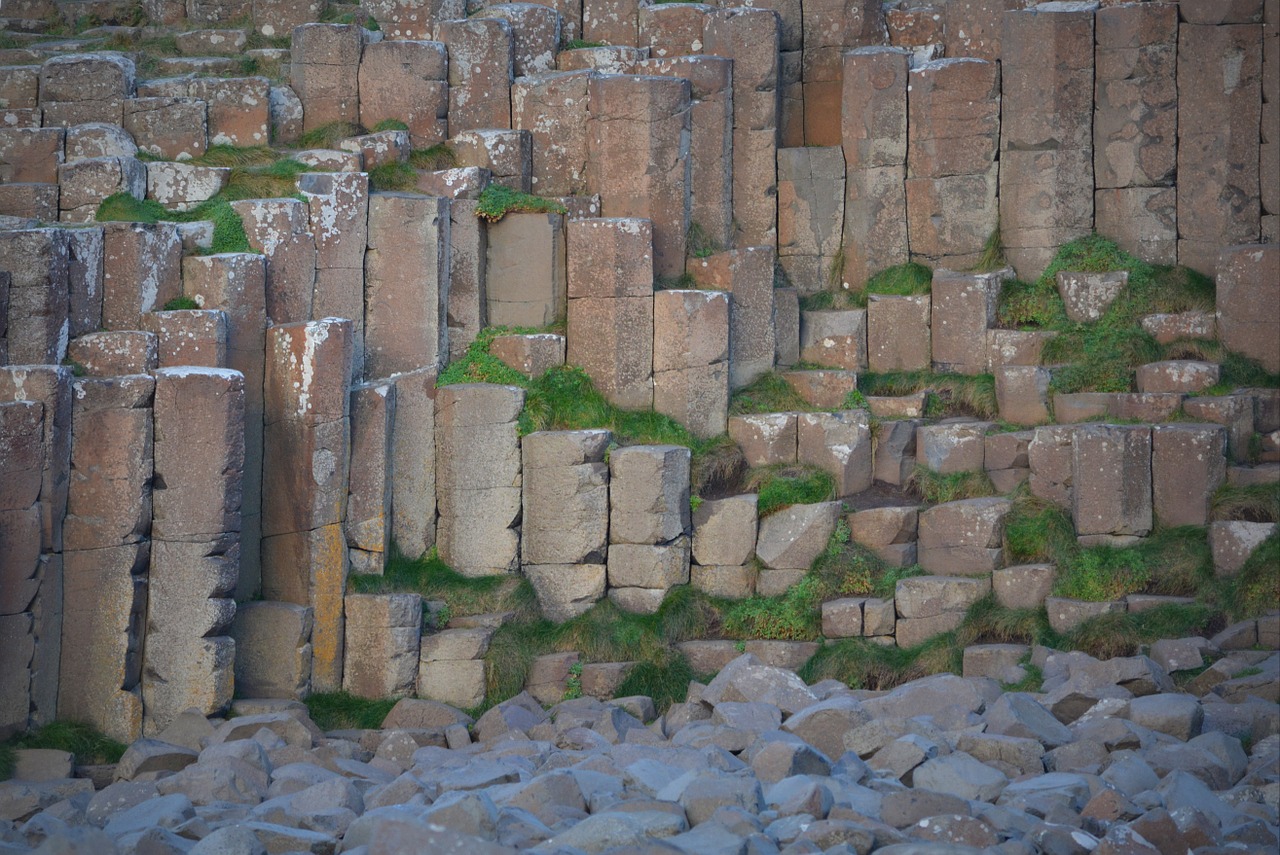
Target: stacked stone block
107 552
810 216
648 524
724 540
874 138
383 635
338 205
38 261
478 477
1111 483
324 72
413 461
280 229
369 492
954 117
610 307
305 476
638 144
407 81
195 549
1046 132
525 270
565 534
1135 128
481 58
691 358
142 271
552 108
86 87
747 274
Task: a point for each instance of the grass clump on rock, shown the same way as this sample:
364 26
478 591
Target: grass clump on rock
90 747
783 484
949 394
497 201
341 711
937 488
228 228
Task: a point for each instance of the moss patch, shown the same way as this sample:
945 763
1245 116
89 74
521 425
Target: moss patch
497 201
228 228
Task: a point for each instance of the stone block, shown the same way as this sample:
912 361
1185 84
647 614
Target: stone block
104 606
1087 296
1023 586
656 568
964 307
1247 287
565 497
94 77
15 672
895 451
525 270
532 354
406 19
1235 412
834 338
931 596
141 271
406 283
810 213
51 387
735 582
794 536
369 508
180 187
38 261
649 494
611 338
239 109
478 478
338 206
765 438
383 632
378 149
468 249
607 58
169 128
507 154
1022 394
457 682
1176 375
839 443
747 274
1050 456
1007 450
898 332
31 154
874 107
86 183
280 230
876 208
690 358
876 528
878 617
408 81
1218 100
1111 480
962 538
456 644
481 57
1166 328
1141 220
97 139
950 219
111 354
565 591
786 326
912 632
1065 615
324 72
552 110
825 388
954 116
842 618
637 122
413 499
188 337
957 445
724 531
614 22
610 257
29 201
273 649
1233 542
535 35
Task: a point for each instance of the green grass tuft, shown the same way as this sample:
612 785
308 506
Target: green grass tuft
497 201
992 255
178 304
341 711
902 280
1037 531
768 393
785 484
832 299
951 394
235 156
1102 573
435 580
438 156
936 488
1251 503
328 136
1256 588
90 747
700 244
389 125
393 176
794 616
228 228
987 622
581 44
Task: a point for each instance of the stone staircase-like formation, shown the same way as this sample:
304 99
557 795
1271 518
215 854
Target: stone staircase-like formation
198 447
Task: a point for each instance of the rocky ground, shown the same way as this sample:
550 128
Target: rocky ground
1111 757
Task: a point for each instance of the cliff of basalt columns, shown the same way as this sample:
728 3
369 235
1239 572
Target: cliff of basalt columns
445 349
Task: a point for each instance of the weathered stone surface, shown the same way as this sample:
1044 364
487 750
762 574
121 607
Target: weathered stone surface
822 388
1023 586
656 568
930 596
86 183
1065 614
898 333
1111 477
565 591
953 446
280 230
793 537
565 498
181 187
1233 542
324 72
1087 296
964 306
413 491
1188 464
895 451
457 682
273 649
649 494
38 323
839 443
765 438
1247 277
724 531
552 109
690 358
169 128
408 81
834 338
1142 219
32 154
381 645
533 354
1022 394
962 538
481 53
478 478
637 123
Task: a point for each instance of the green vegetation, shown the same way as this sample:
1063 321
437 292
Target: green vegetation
832 299
178 304
228 228
1036 531
328 136
700 244
950 394
936 488
389 125
784 484
435 580
768 393
580 44
1101 573
340 711
438 156
393 176
1256 588
1251 503
794 616
992 256
89 746
497 201
902 280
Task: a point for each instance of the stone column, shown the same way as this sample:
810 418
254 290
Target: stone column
468 297
85 252
481 66
690 359
324 71
1111 483
142 271
280 229
565 533
236 284
553 109
189 337
106 538
751 38
411 19
406 81
338 203
1135 128
1046 132
810 216
639 158
963 308
1219 110
874 137
406 283
305 465
382 644
747 274
649 524
413 460
1188 464
21 469
831 27
953 111
478 477
610 316
195 549
525 270
39 322
368 525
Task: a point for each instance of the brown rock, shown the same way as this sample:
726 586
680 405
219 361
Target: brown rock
1106 458
898 333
